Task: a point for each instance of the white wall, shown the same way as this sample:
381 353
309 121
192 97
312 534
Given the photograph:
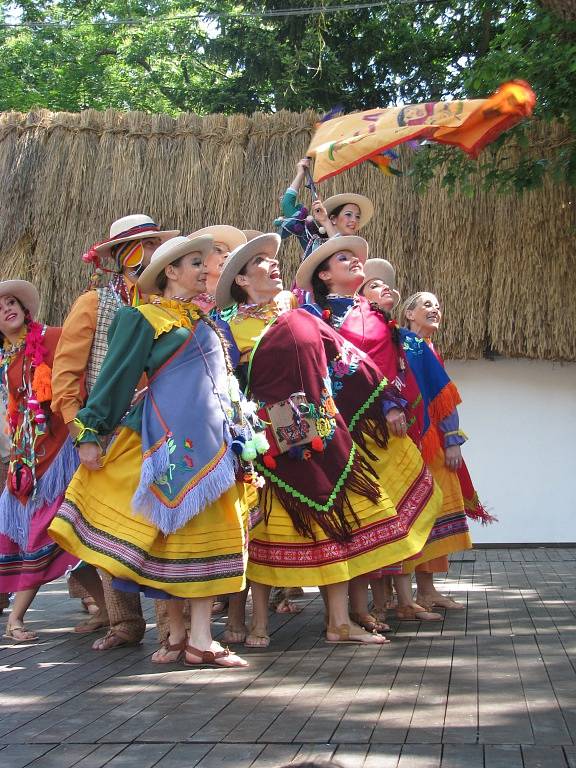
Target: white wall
520 417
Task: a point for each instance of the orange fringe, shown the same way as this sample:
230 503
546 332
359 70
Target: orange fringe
444 403
42 383
430 444
12 407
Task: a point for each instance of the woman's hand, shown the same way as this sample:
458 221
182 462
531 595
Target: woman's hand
396 422
301 165
453 458
319 213
90 455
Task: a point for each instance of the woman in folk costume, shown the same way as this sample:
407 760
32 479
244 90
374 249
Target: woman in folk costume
420 317
333 273
325 517
42 456
163 511
82 347
343 214
226 239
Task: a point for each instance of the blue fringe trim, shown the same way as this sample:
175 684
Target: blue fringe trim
15 517
219 480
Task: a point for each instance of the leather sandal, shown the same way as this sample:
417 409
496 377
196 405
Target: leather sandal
19 634
232 635
410 613
257 639
369 622
441 601
113 640
221 658
345 636
176 649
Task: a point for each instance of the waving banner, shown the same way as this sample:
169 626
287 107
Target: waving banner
347 140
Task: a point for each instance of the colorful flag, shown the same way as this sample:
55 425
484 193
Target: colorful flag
345 141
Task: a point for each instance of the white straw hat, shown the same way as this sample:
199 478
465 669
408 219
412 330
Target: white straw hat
223 233
268 244
357 245
167 253
135 227
25 292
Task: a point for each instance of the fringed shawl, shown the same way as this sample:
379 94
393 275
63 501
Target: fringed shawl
297 353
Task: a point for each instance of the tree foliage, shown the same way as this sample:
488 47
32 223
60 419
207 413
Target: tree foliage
221 56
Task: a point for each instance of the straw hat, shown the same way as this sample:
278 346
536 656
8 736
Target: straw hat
167 253
223 233
380 269
366 206
135 227
252 233
357 245
24 291
268 244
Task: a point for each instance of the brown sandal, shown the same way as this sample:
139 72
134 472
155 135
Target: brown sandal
212 658
96 621
345 636
369 622
113 640
409 613
177 648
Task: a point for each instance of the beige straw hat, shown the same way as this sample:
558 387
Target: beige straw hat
167 253
268 244
25 292
223 233
380 269
366 206
357 245
252 233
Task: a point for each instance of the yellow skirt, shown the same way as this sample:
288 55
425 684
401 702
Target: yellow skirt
394 528
450 532
205 557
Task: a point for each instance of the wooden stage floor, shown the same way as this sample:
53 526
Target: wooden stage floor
493 686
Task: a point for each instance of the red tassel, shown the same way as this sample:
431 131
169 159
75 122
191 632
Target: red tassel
317 444
269 461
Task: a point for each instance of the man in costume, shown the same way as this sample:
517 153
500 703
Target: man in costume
81 350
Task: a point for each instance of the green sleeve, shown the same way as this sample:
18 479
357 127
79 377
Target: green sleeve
289 204
130 340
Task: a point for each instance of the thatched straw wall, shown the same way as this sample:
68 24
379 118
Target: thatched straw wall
503 266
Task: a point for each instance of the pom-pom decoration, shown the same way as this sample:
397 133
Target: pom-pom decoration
269 461
317 444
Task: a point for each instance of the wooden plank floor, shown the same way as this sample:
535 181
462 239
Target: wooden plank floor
493 686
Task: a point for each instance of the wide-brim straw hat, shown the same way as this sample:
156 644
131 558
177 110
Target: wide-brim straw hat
135 227
357 245
167 253
25 292
230 236
252 233
268 244
380 269
364 204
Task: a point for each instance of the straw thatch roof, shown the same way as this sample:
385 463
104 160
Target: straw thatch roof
503 266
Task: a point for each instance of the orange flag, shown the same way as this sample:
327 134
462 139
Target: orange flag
471 124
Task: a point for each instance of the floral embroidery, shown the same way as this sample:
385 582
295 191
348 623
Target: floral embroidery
346 364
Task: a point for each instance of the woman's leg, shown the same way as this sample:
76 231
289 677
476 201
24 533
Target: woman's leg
15 625
429 595
201 649
173 647
408 609
339 627
236 631
258 636
359 613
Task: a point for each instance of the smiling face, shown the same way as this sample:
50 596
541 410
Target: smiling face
347 221
380 293
343 273
11 318
425 317
186 277
260 278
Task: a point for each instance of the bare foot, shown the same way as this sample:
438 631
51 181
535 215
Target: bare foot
286 606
